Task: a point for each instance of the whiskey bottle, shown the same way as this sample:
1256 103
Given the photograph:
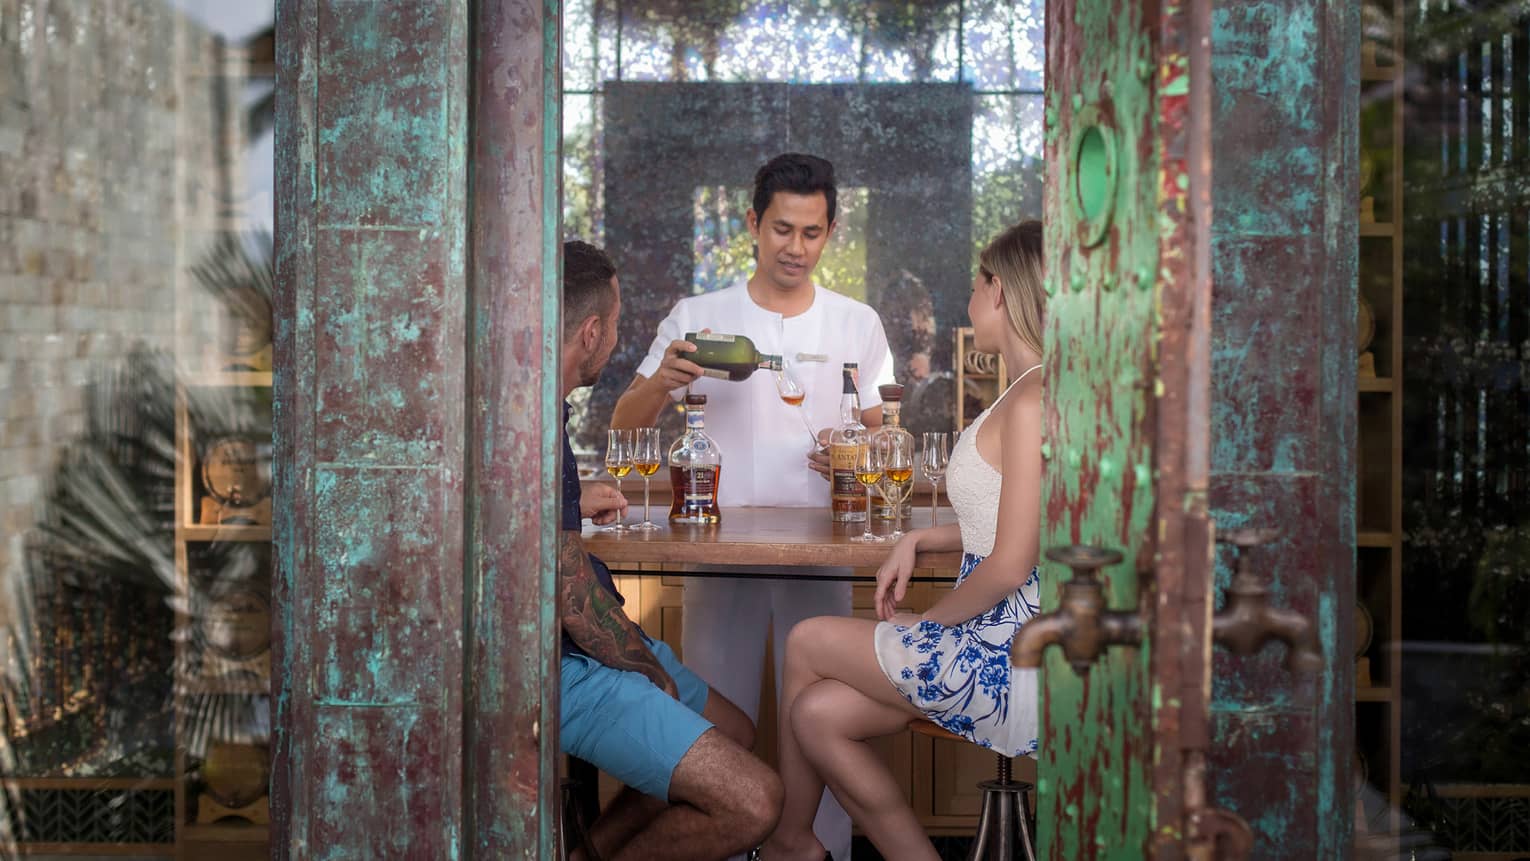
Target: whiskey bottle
847 499
895 499
727 357
695 469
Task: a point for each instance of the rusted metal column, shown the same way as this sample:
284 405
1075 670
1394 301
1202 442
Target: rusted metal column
1181 626
514 423
1285 242
408 684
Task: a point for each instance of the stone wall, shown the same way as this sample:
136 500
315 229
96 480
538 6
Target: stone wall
116 118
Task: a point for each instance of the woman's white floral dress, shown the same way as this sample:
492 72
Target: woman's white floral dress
960 676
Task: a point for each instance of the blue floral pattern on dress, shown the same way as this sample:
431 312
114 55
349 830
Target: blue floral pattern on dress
960 676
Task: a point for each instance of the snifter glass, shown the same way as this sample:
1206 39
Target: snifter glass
647 456
897 475
618 464
869 466
789 387
934 453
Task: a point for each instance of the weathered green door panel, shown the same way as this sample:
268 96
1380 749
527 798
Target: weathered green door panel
1102 252
1283 402
1156 417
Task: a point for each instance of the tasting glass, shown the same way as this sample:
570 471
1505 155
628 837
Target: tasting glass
934 453
618 464
646 459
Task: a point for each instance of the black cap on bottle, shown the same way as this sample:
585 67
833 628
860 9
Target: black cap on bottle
695 400
849 375
890 392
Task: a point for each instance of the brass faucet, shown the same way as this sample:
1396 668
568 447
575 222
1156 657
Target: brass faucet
1082 625
1247 621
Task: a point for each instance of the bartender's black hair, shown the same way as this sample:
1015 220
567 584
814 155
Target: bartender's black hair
797 173
587 274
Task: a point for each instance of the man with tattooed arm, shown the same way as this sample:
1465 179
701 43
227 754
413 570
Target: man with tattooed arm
628 706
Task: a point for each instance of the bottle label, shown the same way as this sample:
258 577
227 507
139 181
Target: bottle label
842 469
714 373
700 486
713 337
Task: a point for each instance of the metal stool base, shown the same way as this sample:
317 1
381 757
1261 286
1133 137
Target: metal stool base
573 831
1005 822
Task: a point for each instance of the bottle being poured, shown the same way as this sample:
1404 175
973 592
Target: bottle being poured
728 357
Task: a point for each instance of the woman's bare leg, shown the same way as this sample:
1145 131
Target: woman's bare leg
842 718
841 650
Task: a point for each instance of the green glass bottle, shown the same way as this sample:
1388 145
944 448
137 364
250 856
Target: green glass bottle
728 357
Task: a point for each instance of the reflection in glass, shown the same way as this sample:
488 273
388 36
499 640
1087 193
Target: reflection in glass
724 251
135 421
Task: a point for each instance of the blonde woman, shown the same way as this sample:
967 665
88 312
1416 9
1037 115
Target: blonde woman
849 680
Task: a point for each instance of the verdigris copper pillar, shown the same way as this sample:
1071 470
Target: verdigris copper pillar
1283 400
415 419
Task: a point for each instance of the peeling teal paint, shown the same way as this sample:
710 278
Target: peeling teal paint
1286 108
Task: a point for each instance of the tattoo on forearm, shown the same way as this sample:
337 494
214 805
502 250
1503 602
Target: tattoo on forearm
593 618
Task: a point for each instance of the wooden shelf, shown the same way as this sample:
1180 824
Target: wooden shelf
202 533
232 379
215 833
962 347
1378 407
125 850
1373 538
88 783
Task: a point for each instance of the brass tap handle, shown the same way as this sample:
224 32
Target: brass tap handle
1219 834
1247 621
1084 559
1247 537
1081 625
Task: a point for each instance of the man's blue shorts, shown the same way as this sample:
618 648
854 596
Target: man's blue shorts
624 725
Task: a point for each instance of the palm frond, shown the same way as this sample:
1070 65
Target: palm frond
238 270
91 673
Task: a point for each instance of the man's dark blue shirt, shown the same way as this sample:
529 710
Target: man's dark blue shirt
572 520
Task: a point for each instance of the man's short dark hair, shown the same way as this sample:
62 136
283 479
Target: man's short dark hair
587 274
796 173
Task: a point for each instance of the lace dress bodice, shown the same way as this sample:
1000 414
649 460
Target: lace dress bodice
972 485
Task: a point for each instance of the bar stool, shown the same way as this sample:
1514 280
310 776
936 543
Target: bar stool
578 799
1005 822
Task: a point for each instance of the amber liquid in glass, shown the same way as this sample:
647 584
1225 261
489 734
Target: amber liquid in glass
619 471
900 475
646 468
869 479
694 494
794 400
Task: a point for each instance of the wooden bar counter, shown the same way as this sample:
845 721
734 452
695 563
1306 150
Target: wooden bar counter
939 778
781 540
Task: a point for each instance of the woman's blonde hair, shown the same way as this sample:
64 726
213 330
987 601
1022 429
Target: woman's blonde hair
1015 257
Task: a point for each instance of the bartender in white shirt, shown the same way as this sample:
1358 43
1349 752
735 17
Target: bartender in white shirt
768 456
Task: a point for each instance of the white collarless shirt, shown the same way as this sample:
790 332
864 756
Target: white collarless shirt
763 441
